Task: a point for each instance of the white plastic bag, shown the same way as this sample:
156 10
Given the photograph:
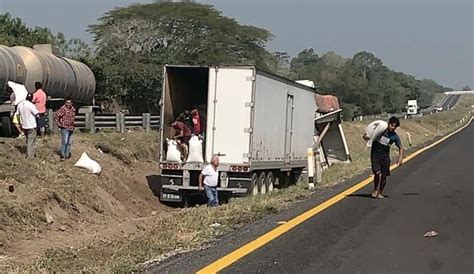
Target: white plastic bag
19 90
173 154
195 150
374 130
89 164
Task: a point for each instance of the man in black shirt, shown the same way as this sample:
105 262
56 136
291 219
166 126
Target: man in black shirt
380 155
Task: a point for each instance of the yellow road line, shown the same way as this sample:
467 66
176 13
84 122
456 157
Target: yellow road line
273 234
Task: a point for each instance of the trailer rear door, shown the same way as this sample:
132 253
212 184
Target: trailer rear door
229 113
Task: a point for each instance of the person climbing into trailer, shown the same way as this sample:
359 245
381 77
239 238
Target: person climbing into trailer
185 117
39 99
380 155
198 120
182 135
208 179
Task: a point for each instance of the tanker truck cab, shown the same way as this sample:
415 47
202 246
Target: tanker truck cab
259 124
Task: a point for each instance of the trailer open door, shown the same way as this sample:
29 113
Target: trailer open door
332 139
229 113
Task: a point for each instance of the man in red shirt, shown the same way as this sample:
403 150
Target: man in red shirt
199 123
182 135
64 118
39 99
196 119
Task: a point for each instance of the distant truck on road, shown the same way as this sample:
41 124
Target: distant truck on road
412 107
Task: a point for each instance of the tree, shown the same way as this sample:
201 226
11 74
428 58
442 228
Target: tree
305 66
280 64
13 32
144 37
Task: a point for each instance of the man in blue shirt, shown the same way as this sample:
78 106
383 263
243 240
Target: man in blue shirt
380 155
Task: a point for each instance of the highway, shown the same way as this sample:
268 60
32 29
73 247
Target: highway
359 234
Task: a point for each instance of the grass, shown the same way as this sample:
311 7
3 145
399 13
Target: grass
126 147
189 229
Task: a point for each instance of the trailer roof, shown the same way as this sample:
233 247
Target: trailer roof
258 71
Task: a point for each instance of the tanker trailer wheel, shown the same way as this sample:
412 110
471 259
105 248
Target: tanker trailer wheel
7 129
269 181
262 189
253 190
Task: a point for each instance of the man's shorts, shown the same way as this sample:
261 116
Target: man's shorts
381 164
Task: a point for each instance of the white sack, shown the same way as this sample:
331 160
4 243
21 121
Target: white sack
172 154
195 150
19 90
374 130
88 163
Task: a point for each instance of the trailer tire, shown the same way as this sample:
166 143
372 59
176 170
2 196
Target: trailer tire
269 181
262 188
253 190
7 129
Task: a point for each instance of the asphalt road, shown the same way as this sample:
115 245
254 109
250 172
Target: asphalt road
434 191
450 101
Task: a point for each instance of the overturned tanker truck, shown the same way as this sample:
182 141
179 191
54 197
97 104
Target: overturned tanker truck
61 78
260 124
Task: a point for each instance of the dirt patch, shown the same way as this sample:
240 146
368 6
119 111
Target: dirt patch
56 205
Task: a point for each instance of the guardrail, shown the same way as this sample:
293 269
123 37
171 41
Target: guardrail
118 121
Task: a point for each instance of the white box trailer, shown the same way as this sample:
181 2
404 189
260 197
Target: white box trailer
259 124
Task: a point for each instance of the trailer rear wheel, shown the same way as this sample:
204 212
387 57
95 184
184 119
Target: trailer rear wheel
253 185
262 188
269 181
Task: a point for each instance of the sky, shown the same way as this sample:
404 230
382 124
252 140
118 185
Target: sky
427 38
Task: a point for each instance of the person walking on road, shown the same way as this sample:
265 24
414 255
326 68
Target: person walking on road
64 118
208 179
28 114
380 155
39 99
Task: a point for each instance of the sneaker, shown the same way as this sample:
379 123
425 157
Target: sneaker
21 136
380 196
374 194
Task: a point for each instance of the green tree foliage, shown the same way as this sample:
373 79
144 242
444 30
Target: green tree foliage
134 42
363 83
13 32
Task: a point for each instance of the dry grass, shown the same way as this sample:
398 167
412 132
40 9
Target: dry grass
189 229
127 147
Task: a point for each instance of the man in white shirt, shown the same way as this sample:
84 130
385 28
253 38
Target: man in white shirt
209 177
28 113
